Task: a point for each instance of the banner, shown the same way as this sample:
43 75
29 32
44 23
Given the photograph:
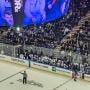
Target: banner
54 68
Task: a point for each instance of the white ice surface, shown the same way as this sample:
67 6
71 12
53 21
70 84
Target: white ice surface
48 80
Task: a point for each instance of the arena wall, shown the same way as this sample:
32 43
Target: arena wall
40 66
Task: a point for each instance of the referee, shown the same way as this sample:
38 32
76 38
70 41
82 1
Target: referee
24 77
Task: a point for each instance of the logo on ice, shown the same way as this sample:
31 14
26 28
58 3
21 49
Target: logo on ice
18 5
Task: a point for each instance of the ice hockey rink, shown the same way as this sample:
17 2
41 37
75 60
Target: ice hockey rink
11 79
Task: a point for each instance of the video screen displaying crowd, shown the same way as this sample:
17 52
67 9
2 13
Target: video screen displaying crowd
27 12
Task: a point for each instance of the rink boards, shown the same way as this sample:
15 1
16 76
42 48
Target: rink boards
40 66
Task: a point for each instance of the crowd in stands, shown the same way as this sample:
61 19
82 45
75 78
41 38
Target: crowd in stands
80 42
62 62
47 35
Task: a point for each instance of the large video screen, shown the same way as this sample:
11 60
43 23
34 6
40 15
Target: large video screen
27 12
